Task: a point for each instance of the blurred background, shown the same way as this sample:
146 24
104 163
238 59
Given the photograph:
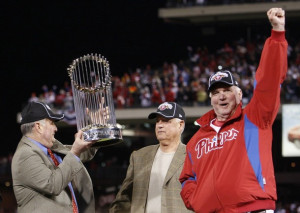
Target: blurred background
158 51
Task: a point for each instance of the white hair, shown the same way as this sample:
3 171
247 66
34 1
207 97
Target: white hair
179 120
27 127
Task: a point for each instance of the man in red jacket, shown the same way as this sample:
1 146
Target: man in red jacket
228 166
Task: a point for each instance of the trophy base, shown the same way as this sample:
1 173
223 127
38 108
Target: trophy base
103 136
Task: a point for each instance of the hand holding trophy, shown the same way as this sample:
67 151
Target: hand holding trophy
94 107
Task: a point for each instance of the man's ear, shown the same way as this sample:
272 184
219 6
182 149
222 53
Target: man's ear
240 95
38 127
182 124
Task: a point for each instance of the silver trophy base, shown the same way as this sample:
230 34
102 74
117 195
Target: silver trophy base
103 136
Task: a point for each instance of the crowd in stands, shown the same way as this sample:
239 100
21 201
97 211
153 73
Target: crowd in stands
187 3
293 207
186 80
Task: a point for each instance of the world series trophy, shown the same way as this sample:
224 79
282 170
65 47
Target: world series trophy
94 107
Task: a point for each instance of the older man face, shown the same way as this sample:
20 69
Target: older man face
224 100
168 130
47 129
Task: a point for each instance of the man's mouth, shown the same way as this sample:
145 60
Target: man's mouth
224 104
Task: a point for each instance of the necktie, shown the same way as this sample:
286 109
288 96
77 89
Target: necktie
75 209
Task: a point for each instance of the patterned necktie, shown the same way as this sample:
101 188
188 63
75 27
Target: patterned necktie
75 209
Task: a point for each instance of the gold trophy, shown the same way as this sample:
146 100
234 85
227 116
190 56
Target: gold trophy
94 107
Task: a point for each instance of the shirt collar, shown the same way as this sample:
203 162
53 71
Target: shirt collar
41 146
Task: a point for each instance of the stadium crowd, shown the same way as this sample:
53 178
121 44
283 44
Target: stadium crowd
188 3
185 81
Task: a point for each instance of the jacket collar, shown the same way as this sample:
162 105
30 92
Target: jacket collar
176 162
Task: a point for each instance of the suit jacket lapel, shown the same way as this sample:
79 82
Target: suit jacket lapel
28 142
34 147
176 162
148 162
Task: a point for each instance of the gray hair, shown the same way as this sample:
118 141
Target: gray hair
179 120
27 127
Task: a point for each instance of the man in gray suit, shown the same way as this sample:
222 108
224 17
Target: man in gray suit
47 175
152 179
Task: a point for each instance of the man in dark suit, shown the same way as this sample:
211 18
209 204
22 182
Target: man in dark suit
47 175
152 180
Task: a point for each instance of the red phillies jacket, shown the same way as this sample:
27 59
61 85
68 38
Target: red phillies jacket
232 171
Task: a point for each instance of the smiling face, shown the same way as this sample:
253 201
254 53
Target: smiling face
224 100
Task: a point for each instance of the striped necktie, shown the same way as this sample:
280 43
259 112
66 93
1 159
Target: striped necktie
75 209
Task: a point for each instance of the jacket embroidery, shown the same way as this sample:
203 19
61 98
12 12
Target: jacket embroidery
206 145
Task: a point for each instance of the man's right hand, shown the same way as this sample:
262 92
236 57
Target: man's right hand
277 18
79 144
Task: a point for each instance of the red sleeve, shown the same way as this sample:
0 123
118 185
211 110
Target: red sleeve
270 73
188 181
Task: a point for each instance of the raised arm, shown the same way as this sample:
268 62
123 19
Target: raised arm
270 73
277 18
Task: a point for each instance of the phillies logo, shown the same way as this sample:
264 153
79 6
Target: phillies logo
219 75
205 145
165 106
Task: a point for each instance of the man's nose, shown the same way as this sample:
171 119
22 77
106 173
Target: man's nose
159 123
222 95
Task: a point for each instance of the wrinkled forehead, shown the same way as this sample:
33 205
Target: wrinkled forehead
160 117
220 85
